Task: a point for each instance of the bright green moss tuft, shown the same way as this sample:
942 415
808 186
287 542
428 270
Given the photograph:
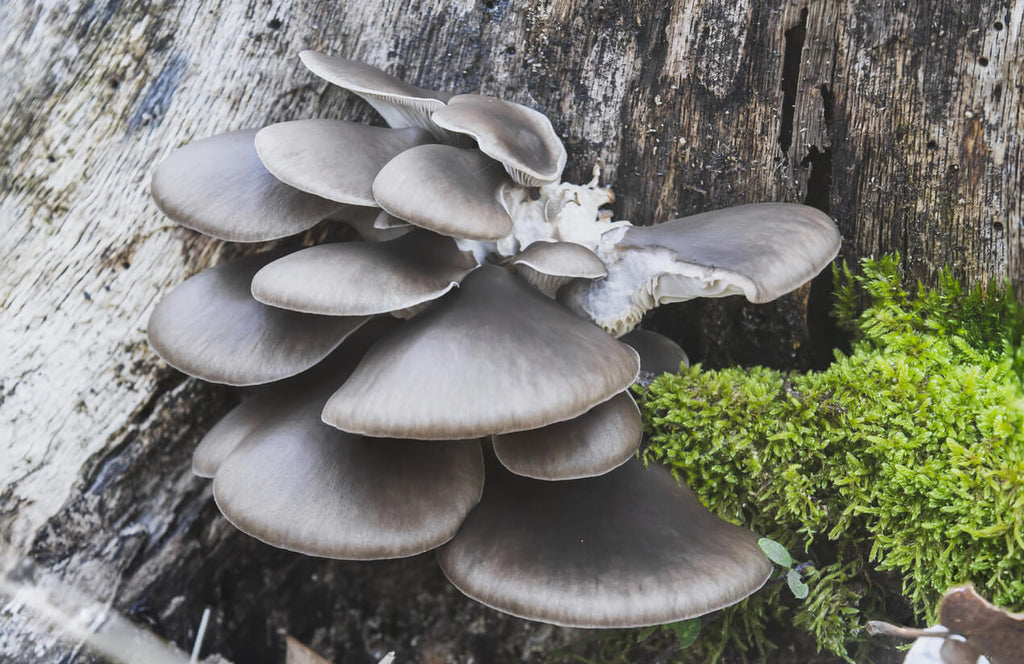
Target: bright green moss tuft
898 471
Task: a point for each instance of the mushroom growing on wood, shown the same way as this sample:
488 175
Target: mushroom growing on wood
625 549
515 287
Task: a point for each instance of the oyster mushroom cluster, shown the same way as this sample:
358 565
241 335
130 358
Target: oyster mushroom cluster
474 333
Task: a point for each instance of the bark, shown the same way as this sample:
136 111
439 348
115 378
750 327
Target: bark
903 120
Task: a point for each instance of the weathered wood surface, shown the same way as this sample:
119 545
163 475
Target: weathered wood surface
902 119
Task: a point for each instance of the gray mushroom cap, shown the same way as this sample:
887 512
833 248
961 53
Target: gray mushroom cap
493 357
521 138
547 266
603 438
399 103
625 549
447 190
241 422
334 159
658 353
265 403
210 327
219 187
360 278
304 486
765 249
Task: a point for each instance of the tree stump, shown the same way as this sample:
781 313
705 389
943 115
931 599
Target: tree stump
902 120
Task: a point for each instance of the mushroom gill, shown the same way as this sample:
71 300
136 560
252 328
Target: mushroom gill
379 451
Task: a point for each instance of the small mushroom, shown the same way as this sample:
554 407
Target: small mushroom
210 327
493 356
240 423
219 187
301 485
268 402
522 139
360 278
446 190
400 104
625 549
547 266
603 438
658 353
333 158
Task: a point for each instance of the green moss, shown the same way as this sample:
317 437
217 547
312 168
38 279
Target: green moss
898 471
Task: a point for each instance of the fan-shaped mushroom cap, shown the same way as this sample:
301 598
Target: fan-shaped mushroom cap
594 443
334 159
219 187
360 278
522 139
547 266
494 356
267 401
447 190
210 327
763 250
240 423
625 549
400 104
301 485
658 353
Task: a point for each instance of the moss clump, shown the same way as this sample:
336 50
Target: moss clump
898 471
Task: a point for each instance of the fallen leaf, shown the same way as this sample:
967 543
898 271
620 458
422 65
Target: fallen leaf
987 628
297 653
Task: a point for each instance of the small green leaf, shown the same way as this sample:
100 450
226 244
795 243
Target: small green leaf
775 552
645 632
686 631
798 587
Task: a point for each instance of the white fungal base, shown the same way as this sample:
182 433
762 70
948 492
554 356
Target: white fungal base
638 279
561 212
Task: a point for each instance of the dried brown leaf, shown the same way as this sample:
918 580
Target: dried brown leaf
988 629
297 653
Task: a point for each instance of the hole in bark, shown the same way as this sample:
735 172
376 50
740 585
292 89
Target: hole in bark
274 23
823 332
828 103
790 78
819 180
50 158
997 226
997 92
932 145
998 25
983 61
511 50
114 83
